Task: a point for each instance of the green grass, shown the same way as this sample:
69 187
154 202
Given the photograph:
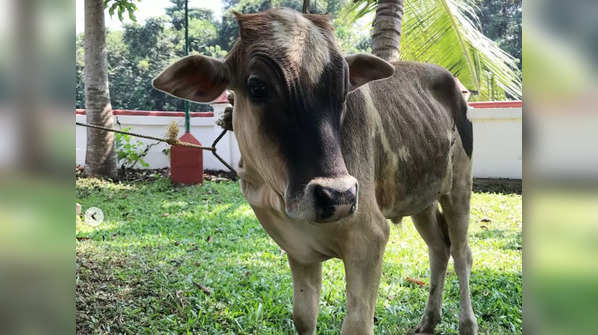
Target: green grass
195 260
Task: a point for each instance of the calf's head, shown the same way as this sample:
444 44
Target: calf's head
290 83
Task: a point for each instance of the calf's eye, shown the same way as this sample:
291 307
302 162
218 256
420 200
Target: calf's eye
257 88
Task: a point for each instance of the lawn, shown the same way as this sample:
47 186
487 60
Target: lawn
195 260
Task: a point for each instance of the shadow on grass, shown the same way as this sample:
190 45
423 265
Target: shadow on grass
507 240
497 185
118 293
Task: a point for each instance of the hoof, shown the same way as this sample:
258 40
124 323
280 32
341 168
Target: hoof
468 327
426 325
420 331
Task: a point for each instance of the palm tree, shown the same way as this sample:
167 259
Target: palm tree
386 37
306 5
443 32
100 157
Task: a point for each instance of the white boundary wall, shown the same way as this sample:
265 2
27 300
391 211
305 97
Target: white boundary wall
497 136
204 129
497 141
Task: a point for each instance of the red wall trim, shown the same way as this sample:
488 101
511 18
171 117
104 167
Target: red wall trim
496 104
152 113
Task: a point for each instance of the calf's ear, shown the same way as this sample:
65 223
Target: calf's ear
196 78
364 68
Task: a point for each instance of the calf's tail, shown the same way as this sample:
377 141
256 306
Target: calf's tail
464 126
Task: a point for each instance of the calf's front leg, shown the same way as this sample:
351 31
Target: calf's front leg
307 283
363 266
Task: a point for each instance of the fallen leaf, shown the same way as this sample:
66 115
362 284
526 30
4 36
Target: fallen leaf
83 238
181 297
485 220
203 288
484 227
416 281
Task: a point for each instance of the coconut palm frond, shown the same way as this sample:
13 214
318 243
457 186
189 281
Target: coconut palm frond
446 32
357 9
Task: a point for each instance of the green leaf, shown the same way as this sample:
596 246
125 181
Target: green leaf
132 15
121 10
447 33
112 9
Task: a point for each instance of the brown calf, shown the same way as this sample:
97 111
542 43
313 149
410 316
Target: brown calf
330 152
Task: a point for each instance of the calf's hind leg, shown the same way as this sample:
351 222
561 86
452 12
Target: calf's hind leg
432 228
455 208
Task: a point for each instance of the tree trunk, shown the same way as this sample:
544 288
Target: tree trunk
100 158
386 38
29 87
306 6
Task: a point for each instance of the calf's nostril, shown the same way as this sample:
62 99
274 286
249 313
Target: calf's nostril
324 195
332 197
